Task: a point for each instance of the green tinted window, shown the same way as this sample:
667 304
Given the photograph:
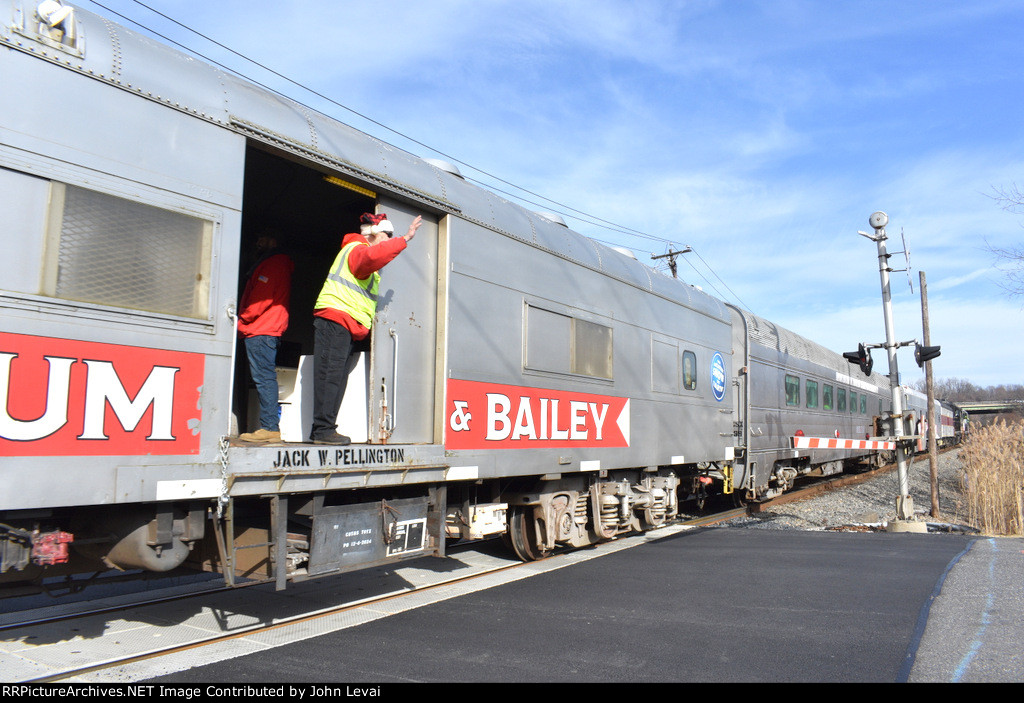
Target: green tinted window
792 390
812 393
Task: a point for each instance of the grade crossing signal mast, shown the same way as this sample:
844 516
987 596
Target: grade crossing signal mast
862 357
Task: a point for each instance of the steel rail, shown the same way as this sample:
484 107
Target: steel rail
293 620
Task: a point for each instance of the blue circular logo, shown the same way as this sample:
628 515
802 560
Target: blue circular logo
718 376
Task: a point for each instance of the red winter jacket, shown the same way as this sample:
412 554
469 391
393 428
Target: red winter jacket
264 306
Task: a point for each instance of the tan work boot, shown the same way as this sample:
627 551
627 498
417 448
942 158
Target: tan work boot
261 435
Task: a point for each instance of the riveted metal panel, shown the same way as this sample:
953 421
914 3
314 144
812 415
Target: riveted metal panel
162 73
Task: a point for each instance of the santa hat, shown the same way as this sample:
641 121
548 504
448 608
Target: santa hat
375 224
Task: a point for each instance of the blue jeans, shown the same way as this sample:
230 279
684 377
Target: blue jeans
262 352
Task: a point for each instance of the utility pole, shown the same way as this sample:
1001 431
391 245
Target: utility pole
933 451
671 256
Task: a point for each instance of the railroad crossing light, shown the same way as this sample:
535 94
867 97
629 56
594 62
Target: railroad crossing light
923 354
861 357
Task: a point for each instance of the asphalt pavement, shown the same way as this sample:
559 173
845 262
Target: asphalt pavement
706 605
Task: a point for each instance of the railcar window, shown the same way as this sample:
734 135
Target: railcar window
841 400
689 370
564 344
548 341
863 404
113 251
812 393
592 349
826 397
792 390
853 402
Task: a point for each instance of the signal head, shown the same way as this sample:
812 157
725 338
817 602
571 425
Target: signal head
924 354
865 359
861 357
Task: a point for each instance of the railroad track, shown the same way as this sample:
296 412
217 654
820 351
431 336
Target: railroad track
64 617
258 629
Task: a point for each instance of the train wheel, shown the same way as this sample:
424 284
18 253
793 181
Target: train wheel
522 534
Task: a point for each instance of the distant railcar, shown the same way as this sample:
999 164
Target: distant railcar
522 379
947 430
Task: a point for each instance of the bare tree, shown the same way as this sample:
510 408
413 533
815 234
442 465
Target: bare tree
961 390
1011 259
952 389
1011 199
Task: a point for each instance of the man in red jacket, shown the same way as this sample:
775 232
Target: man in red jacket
262 319
343 315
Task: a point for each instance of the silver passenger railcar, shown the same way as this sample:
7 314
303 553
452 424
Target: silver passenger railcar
805 408
522 379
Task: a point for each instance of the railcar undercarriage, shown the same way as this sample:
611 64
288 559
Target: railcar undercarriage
291 537
60 543
577 512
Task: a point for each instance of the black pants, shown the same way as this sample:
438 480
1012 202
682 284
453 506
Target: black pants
335 354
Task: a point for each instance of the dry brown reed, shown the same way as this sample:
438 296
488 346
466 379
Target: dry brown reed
993 478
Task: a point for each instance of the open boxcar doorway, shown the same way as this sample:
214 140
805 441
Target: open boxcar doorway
309 210
309 216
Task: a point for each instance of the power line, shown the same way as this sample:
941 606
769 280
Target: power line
742 304
583 216
593 218
580 215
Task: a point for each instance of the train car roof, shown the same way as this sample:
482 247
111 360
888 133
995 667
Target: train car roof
131 61
786 343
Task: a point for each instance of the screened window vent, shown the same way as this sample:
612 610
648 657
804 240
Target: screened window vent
117 252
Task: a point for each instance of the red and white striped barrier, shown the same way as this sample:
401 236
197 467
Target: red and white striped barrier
833 443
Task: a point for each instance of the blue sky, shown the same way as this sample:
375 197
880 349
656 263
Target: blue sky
762 133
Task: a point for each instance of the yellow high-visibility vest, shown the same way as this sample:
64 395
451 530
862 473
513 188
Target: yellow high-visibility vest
343 291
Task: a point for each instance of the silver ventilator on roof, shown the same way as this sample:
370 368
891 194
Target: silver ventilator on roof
552 217
57 20
446 167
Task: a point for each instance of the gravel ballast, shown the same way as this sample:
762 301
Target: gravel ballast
872 504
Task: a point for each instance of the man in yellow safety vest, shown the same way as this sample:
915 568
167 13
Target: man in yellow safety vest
343 315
